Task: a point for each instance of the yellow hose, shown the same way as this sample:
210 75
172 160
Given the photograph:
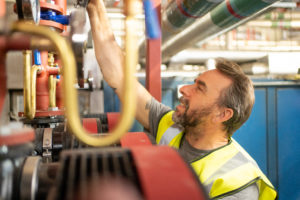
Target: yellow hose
69 76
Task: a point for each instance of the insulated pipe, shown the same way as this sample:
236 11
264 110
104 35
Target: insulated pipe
179 14
69 73
224 17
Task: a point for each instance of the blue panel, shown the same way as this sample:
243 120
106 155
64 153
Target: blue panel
288 143
112 104
167 97
272 136
252 135
111 101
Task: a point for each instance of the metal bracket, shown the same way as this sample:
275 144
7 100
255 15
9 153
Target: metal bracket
47 145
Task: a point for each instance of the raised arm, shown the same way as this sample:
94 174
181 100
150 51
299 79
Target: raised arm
110 58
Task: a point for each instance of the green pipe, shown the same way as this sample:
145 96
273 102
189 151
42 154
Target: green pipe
181 13
232 11
178 15
224 17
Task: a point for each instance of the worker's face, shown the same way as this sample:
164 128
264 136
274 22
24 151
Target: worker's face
199 100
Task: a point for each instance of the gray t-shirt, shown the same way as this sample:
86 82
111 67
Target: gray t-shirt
189 153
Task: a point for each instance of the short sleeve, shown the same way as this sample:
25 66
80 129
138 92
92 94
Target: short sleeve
157 111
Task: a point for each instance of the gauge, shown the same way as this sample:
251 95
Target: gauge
29 10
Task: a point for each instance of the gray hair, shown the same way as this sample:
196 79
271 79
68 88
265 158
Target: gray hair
239 96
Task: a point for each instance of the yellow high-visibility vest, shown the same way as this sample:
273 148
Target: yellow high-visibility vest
224 171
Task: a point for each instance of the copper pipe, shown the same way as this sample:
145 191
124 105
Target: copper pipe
69 77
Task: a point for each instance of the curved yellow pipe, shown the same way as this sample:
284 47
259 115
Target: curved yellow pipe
29 91
69 74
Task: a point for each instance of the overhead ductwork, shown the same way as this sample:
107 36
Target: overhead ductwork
226 16
196 56
222 18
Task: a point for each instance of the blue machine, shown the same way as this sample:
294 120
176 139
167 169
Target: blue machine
271 135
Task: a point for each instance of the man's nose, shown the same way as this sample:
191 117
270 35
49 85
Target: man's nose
184 90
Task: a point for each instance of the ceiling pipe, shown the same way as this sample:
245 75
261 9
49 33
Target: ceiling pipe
226 16
178 15
196 56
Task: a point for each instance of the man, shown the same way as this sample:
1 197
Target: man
210 110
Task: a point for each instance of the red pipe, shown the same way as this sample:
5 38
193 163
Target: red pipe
153 62
59 94
53 70
16 42
62 4
42 91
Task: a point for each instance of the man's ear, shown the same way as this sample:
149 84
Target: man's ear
223 115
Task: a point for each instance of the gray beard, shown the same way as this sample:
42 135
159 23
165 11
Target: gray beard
194 119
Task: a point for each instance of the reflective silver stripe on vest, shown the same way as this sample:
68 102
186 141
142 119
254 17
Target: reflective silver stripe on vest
170 133
236 161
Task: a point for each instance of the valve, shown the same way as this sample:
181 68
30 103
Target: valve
52 16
